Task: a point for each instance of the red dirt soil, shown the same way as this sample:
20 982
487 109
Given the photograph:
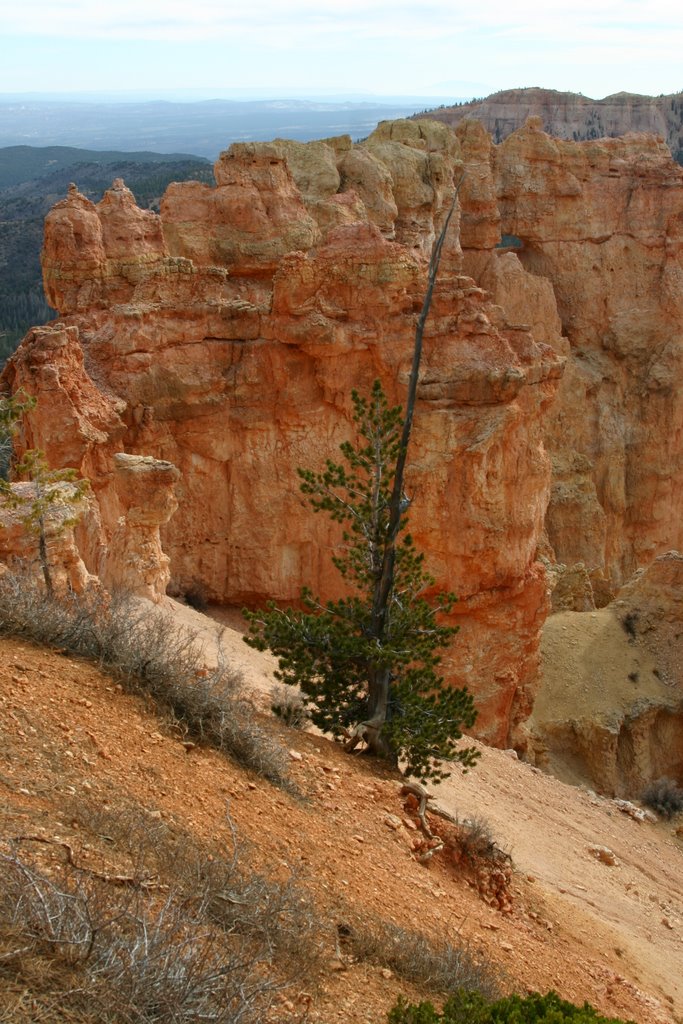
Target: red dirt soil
612 935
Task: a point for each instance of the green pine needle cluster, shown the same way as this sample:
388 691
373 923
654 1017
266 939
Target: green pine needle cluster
469 1007
334 651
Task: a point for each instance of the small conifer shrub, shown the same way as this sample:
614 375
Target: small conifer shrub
469 1007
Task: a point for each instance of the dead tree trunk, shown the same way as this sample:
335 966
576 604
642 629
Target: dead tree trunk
380 685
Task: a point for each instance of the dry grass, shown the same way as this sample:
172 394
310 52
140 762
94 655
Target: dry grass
289 705
432 964
142 648
177 934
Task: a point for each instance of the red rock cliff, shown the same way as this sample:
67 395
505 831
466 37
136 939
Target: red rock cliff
225 336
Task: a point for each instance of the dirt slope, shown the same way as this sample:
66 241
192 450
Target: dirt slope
609 934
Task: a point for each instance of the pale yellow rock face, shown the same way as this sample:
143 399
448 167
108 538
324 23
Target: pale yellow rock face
610 710
134 561
651 606
232 348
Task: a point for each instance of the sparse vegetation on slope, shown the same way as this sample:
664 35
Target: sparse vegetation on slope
435 965
664 796
142 648
75 749
155 928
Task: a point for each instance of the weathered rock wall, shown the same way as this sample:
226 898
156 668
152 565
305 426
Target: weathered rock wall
604 224
230 347
610 709
598 229
571 116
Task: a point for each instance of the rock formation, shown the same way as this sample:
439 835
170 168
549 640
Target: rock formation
134 561
80 426
650 607
599 229
225 336
19 546
569 115
610 709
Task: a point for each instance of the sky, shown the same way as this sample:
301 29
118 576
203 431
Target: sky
266 48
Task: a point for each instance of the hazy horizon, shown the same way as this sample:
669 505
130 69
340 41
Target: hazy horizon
349 49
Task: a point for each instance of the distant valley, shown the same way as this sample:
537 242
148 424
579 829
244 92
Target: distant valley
204 128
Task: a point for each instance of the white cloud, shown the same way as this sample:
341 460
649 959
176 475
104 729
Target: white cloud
271 22
385 46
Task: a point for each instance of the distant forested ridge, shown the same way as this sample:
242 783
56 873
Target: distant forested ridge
32 180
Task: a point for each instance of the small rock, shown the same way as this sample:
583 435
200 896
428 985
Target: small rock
386 973
295 755
155 815
392 821
635 812
604 855
512 754
337 965
409 823
189 745
508 947
359 839
667 923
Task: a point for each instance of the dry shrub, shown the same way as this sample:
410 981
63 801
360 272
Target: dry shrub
289 705
431 964
182 934
142 648
476 841
472 849
664 796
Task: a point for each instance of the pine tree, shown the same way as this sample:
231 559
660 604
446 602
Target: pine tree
368 663
367 677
